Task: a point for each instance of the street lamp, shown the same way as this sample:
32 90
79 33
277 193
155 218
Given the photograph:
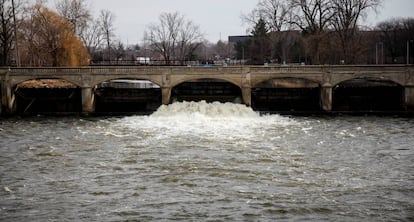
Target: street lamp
242 55
408 51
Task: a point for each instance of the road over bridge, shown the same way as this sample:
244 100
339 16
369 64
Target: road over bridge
246 78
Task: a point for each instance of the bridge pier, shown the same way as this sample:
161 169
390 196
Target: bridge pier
88 100
247 95
326 98
166 95
1 97
8 101
246 88
409 97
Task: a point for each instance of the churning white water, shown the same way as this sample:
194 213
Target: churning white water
213 120
196 161
215 109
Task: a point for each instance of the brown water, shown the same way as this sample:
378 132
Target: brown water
207 162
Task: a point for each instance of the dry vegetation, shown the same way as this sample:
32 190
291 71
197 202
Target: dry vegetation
47 83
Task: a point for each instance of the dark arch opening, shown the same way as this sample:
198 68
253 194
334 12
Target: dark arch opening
286 94
124 96
209 90
368 94
47 96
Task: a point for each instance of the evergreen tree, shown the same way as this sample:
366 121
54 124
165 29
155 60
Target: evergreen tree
260 45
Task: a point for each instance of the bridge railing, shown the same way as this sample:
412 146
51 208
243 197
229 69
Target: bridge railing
328 68
286 69
47 70
156 70
122 70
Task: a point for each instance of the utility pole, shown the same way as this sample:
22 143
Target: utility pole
16 45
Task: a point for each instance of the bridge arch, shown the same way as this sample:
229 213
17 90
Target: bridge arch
208 89
47 81
368 94
127 95
299 78
287 82
154 79
233 80
287 94
46 96
398 78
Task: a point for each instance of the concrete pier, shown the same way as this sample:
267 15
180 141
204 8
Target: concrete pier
166 95
88 100
409 98
7 98
326 98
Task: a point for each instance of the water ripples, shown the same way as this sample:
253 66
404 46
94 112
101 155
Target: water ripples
185 165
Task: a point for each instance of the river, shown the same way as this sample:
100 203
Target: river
207 162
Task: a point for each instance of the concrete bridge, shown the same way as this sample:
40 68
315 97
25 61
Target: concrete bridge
244 77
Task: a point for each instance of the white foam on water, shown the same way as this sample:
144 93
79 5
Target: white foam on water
215 119
215 109
6 189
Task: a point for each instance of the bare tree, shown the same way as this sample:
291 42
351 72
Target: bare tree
189 38
8 11
223 49
92 36
162 37
396 33
313 17
76 12
107 29
173 37
347 14
275 13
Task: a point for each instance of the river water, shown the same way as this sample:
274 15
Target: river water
207 162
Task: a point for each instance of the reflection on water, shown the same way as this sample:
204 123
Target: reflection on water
199 161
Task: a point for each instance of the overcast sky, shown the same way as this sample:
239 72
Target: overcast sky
216 18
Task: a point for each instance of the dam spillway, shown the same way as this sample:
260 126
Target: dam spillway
292 89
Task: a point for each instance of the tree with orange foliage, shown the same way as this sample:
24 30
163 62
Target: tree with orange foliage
50 40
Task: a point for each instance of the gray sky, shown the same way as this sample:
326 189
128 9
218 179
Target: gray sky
216 18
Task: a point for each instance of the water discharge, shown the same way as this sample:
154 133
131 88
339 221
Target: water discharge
207 161
203 108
